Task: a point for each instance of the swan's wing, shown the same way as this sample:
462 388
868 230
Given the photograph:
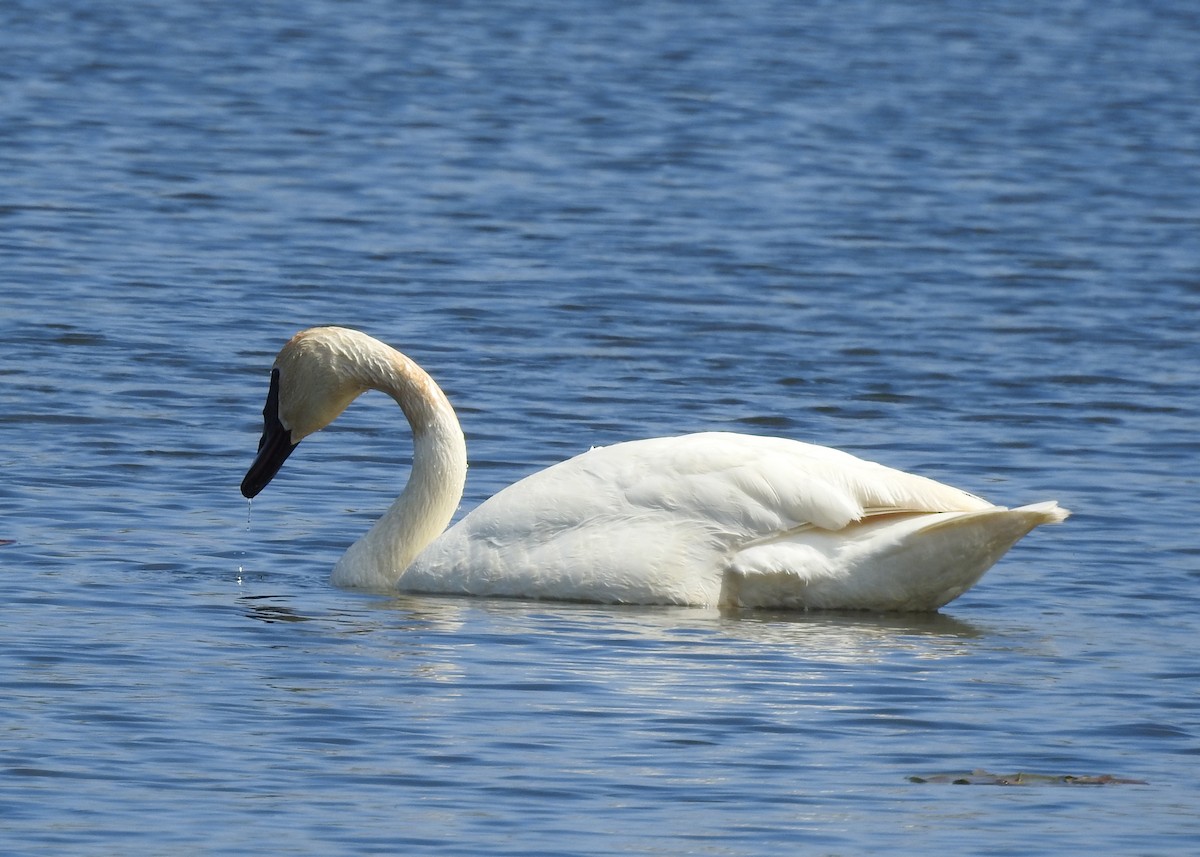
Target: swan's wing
758 487
661 520
743 487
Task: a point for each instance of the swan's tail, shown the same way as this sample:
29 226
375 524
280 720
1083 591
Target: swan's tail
1045 513
904 562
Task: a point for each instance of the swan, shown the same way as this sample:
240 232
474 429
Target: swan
711 519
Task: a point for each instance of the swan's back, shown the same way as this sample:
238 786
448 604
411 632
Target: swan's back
666 520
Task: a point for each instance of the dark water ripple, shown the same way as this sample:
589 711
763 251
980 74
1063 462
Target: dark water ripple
957 238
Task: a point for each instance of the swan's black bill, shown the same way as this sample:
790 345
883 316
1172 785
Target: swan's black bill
273 448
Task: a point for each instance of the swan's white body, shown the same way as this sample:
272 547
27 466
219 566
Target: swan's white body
701 519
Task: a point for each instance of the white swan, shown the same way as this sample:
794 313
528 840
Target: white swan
701 519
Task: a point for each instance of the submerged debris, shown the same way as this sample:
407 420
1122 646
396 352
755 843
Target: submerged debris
984 778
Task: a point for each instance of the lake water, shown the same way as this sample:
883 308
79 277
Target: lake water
959 238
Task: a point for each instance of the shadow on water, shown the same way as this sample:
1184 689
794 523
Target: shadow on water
266 608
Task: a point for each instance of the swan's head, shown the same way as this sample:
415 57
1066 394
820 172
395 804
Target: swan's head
312 381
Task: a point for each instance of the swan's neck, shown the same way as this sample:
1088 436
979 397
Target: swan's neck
435 484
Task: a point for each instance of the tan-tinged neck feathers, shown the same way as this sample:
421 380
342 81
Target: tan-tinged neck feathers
322 370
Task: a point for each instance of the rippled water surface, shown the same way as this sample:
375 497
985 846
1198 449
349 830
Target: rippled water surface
958 238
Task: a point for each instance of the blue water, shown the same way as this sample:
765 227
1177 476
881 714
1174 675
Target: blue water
959 238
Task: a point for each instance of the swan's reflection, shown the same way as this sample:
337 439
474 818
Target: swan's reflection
437 621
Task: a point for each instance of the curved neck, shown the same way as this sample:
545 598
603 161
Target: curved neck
435 483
